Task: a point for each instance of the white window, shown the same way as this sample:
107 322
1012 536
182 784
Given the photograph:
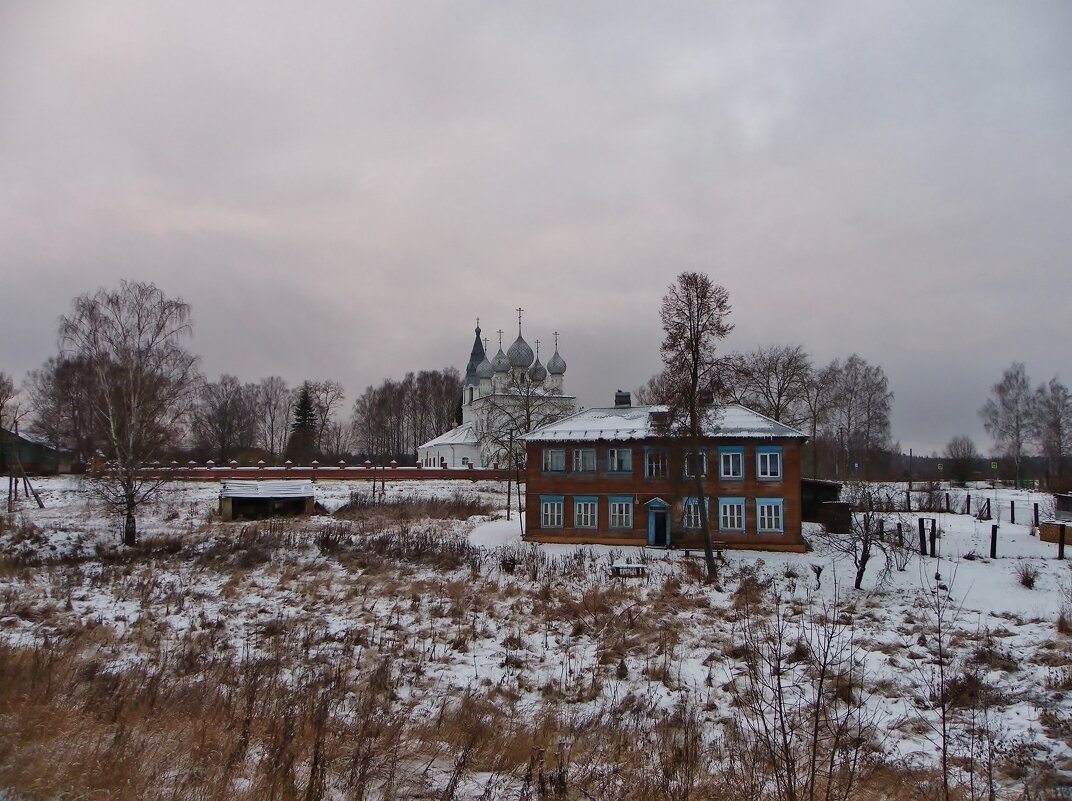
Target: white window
769 464
731 514
584 460
465 460
694 459
621 512
691 516
769 515
551 512
619 460
554 460
584 513
655 464
731 463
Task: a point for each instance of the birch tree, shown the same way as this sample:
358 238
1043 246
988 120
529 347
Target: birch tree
1007 414
141 384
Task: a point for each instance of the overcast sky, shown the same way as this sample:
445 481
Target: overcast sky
340 189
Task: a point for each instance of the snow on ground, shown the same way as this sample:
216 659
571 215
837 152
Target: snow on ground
1000 628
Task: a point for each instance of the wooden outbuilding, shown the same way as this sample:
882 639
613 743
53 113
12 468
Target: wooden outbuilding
254 500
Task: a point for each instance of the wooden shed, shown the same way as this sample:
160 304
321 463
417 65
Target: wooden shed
252 500
35 454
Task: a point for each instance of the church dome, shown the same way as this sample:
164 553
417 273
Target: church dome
520 354
537 372
500 363
484 369
556 365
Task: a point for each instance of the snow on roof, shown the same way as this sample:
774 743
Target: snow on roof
465 434
635 422
266 489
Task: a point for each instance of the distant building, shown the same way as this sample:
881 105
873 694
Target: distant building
614 476
503 398
36 455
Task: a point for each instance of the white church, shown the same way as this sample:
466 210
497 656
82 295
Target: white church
502 399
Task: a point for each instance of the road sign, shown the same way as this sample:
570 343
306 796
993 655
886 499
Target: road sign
993 465
939 467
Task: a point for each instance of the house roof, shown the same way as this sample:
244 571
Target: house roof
465 434
32 439
266 489
635 422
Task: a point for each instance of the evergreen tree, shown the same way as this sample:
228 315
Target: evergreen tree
301 445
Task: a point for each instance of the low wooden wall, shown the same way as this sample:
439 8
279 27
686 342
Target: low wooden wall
355 473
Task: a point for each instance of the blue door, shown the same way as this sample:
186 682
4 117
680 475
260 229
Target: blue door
658 523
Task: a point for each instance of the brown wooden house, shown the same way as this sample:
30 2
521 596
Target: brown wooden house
614 476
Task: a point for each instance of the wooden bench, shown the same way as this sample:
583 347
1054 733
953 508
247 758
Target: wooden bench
623 569
718 546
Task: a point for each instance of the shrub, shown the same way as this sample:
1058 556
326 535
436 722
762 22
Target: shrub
1027 573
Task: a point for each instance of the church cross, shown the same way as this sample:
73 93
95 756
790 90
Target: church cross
556 340
537 349
500 333
519 310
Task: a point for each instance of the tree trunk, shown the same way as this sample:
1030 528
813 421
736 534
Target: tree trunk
130 527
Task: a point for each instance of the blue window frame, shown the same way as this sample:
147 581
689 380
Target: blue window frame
551 511
619 460
731 514
769 463
585 511
621 511
769 517
731 463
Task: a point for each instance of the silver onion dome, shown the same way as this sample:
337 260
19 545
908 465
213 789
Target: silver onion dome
556 365
520 354
500 364
484 369
537 372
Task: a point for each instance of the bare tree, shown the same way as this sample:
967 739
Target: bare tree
694 313
962 457
59 397
142 381
860 412
223 421
871 532
1051 426
773 381
653 392
274 401
8 413
327 397
804 726
1007 414
519 407
819 394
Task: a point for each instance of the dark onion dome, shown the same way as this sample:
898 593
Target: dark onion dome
500 363
475 357
484 369
556 365
537 372
520 354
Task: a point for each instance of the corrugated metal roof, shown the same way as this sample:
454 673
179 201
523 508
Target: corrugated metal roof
634 422
266 489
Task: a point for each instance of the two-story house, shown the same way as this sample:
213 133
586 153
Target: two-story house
615 476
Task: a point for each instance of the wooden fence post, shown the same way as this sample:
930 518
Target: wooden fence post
900 535
1061 541
922 538
1012 512
994 541
934 536
1036 515
908 500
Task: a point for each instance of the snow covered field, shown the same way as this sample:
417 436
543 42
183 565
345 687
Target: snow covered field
563 658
